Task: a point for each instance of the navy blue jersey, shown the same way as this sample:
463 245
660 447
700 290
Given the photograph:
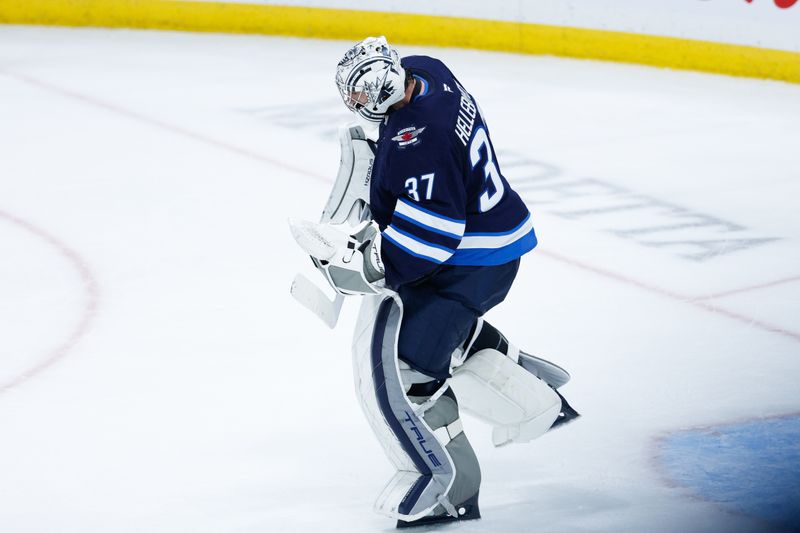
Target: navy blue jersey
437 192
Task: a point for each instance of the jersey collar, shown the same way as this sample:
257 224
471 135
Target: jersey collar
422 88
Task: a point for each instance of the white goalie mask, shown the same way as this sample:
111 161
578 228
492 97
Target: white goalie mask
370 78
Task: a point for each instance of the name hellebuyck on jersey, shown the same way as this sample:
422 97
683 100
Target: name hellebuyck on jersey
408 136
467 111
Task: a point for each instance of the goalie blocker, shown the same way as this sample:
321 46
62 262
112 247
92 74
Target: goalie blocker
350 262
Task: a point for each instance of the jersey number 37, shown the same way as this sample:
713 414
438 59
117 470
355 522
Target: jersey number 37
412 186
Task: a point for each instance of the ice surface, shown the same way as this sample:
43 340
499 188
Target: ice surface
155 374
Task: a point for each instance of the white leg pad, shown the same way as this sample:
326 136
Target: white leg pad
365 387
425 469
492 387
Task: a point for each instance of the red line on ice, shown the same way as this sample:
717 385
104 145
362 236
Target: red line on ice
89 308
163 125
673 295
750 288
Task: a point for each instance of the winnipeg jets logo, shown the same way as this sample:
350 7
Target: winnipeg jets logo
408 136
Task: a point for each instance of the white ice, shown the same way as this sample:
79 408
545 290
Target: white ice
155 374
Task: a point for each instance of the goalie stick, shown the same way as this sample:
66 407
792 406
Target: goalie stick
315 300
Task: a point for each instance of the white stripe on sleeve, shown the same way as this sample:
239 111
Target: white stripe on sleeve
415 247
430 220
496 241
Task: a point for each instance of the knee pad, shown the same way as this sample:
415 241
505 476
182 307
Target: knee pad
496 389
483 335
421 435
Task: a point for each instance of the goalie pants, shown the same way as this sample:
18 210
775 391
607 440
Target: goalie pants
440 311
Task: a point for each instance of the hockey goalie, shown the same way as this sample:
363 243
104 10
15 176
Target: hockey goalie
422 225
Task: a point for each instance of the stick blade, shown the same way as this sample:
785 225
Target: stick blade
315 300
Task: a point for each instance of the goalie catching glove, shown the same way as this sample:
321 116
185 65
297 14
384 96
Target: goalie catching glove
348 257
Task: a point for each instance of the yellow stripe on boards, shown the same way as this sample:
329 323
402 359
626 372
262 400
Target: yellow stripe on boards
405 28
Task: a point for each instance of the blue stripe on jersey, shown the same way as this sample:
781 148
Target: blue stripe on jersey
417 247
419 240
426 227
425 235
497 240
494 256
429 212
499 233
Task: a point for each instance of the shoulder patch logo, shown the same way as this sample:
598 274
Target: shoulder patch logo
408 136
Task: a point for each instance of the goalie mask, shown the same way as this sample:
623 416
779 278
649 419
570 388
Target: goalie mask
370 78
